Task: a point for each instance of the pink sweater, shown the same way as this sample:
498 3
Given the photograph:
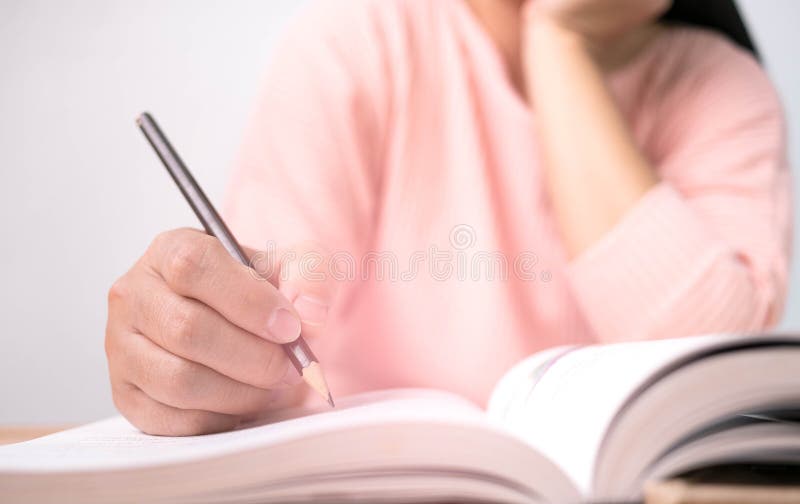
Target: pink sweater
388 132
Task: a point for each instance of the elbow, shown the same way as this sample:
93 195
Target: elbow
729 296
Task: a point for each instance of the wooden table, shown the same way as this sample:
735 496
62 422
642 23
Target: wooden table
734 486
16 434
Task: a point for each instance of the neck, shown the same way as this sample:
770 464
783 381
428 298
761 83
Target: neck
617 52
502 21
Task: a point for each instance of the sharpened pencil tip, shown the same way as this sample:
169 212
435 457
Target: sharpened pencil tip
312 374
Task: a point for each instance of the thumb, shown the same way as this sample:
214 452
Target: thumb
305 279
301 273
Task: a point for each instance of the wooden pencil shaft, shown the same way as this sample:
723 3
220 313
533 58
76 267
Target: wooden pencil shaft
298 351
191 190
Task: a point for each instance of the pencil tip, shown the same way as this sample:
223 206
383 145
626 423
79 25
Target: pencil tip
312 374
330 400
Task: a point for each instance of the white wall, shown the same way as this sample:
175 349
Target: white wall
774 25
81 194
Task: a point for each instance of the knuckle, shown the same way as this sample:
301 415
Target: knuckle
182 326
252 301
162 241
119 290
171 235
178 381
188 257
184 260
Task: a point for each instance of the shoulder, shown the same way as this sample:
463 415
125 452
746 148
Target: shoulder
349 21
700 84
700 66
357 27
339 50
368 50
329 25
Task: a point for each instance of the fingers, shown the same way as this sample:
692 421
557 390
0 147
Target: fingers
304 277
177 382
197 266
192 334
189 329
153 417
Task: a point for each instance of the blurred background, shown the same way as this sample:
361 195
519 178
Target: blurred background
81 193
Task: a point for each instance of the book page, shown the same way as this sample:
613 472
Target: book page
115 443
425 443
562 401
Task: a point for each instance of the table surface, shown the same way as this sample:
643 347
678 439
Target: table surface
16 433
696 490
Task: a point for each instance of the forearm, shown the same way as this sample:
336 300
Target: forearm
594 171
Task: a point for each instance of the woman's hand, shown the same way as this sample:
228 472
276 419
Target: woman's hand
193 336
597 21
594 172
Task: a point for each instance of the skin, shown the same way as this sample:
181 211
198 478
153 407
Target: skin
188 339
569 45
189 344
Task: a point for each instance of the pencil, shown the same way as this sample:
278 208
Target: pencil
298 351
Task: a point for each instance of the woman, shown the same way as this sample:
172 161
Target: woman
490 178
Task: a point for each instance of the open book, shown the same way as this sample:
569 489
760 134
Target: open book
566 425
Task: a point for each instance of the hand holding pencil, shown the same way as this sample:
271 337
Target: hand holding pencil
196 342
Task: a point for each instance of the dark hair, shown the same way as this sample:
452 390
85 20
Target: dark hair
720 15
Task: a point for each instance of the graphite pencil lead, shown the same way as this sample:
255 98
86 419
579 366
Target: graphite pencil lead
312 375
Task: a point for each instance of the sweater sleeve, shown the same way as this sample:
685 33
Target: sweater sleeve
307 170
706 249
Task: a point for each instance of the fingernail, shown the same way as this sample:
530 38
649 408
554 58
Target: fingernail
311 310
283 326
